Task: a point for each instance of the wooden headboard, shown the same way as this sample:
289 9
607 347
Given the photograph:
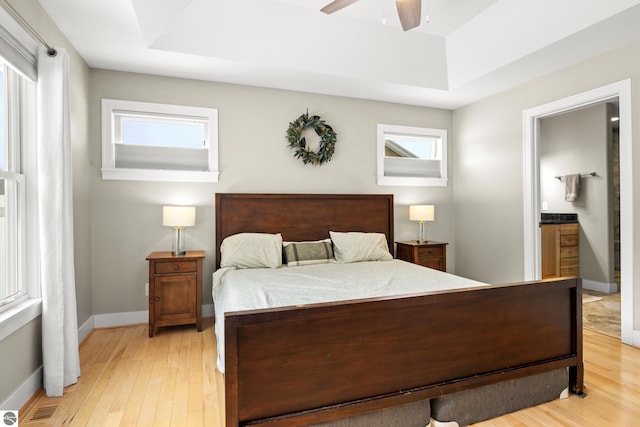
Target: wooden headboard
300 217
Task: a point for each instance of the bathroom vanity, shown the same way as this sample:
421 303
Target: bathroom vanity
560 245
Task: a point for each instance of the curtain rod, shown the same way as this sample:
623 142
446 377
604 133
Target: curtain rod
51 51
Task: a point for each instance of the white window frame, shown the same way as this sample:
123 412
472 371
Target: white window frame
16 119
15 237
112 108
414 132
18 310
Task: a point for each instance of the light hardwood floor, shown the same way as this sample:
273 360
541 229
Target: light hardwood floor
129 379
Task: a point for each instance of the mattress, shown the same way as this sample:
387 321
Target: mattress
258 288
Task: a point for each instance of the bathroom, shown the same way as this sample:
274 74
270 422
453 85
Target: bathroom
585 142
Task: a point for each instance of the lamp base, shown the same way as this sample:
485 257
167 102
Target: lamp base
177 243
421 227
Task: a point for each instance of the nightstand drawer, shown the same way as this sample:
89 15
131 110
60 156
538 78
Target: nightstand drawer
429 252
176 267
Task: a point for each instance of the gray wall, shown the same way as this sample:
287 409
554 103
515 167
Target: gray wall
488 166
24 345
254 157
21 357
579 142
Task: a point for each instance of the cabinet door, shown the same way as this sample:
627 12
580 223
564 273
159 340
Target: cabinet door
175 297
550 251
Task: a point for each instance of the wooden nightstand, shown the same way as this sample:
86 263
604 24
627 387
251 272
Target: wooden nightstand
175 289
429 254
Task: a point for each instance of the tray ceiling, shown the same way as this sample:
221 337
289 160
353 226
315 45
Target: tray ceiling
469 49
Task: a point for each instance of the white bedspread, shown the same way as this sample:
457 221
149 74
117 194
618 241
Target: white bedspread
236 290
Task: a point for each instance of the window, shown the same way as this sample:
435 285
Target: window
14 95
412 156
159 142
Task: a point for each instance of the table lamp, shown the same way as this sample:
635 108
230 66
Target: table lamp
421 213
178 217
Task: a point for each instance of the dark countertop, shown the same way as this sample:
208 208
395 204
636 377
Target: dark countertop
558 218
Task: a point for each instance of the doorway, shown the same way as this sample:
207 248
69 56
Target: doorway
621 92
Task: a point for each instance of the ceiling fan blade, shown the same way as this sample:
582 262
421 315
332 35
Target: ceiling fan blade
336 5
409 13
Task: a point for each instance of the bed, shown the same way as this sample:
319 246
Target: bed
388 355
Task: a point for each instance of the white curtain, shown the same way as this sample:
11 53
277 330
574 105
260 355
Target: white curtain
61 361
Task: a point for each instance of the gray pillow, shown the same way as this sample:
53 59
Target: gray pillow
307 253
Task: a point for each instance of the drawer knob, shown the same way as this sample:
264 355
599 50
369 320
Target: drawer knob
157 299
176 267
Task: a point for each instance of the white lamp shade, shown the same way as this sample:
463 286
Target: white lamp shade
421 212
178 216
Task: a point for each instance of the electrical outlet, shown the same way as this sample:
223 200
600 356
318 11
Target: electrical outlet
146 289
545 206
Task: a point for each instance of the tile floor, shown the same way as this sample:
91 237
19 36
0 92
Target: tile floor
602 315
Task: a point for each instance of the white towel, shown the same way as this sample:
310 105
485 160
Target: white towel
571 187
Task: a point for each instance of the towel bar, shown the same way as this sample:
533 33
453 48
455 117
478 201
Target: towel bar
582 175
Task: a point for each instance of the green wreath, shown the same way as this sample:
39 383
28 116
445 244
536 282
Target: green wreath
327 136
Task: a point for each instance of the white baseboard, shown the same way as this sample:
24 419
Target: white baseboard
85 329
120 319
133 318
22 395
207 310
592 285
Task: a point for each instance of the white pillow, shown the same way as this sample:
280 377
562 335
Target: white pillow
251 250
356 247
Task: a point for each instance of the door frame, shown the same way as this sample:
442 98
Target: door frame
531 125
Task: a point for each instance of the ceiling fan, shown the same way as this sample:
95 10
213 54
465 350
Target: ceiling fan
408 11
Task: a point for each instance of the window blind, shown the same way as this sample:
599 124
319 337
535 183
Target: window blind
17 48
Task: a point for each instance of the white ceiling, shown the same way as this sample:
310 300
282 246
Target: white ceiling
469 49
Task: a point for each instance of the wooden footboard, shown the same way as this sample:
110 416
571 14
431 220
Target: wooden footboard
302 365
